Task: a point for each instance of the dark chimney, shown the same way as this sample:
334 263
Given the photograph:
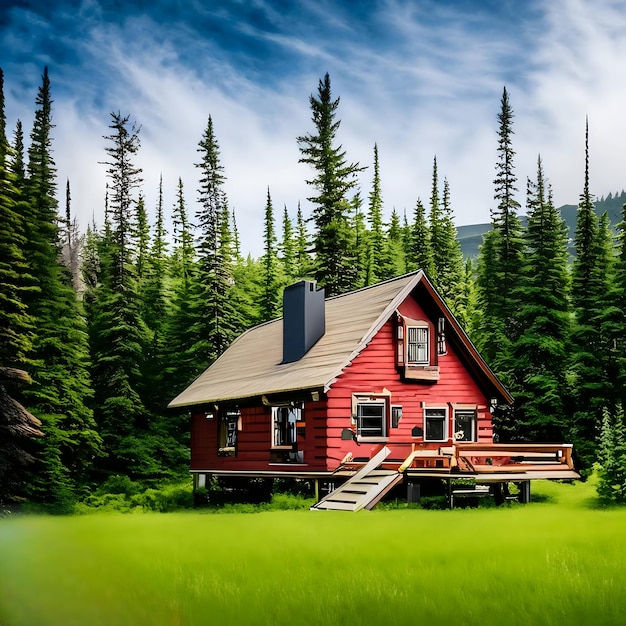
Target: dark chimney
304 319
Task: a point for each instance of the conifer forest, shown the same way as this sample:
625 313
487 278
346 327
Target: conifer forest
100 328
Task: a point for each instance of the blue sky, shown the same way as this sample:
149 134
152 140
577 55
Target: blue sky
421 78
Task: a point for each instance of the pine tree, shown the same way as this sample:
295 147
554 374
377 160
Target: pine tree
334 178
589 295
501 261
379 265
16 325
361 241
270 300
155 311
287 248
118 333
303 259
435 225
612 457
421 253
214 324
62 391
539 354
450 272
395 240
180 367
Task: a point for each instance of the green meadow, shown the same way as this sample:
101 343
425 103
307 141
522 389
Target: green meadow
559 560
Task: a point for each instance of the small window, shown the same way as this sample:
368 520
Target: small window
370 419
441 336
417 345
229 425
396 416
435 427
465 425
284 420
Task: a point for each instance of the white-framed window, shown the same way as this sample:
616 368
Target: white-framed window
417 345
465 425
371 418
284 419
435 424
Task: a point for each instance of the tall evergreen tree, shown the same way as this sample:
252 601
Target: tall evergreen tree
215 325
118 332
539 354
16 325
435 220
421 252
505 220
270 301
379 265
334 179
589 297
303 259
395 240
287 248
450 272
501 260
180 367
62 391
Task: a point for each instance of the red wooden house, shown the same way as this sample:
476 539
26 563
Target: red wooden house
359 391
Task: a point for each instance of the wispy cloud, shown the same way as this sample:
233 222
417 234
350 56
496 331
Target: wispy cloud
419 78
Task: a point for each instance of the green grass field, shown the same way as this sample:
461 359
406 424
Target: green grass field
559 561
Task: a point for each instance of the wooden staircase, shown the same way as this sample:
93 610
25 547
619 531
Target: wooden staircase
365 489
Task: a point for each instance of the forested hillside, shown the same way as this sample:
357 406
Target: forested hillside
113 322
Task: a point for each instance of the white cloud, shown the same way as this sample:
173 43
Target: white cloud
422 89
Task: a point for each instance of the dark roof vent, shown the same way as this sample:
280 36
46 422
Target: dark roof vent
304 321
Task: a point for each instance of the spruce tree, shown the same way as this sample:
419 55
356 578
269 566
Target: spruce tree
379 265
334 179
287 248
215 322
450 272
421 252
501 261
62 391
591 288
118 334
395 241
271 298
303 258
435 219
180 367
16 325
539 354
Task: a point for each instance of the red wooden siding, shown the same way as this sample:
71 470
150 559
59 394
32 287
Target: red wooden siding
371 372
374 370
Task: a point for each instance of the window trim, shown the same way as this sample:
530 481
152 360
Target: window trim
297 409
474 433
381 398
425 328
446 427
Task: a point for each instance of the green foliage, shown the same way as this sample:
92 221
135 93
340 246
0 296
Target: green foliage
612 458
334 178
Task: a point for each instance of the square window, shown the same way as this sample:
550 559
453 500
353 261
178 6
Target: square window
435 428
370 419
465 425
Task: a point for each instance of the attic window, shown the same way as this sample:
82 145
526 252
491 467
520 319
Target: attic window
415 357
417 345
